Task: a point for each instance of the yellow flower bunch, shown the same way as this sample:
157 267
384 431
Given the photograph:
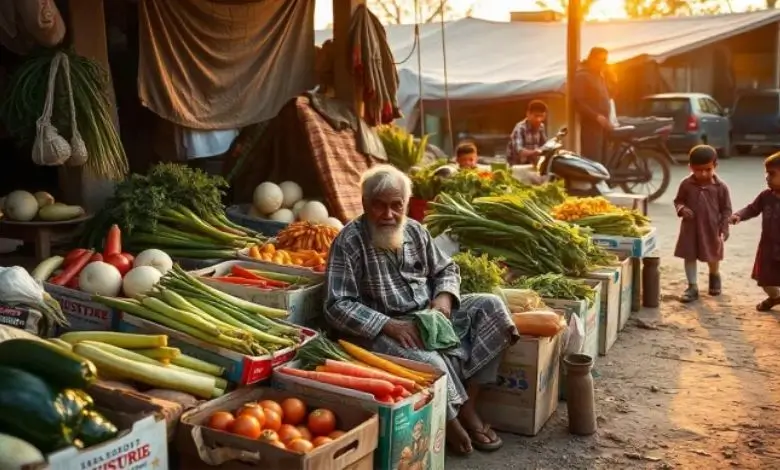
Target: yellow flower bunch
577 208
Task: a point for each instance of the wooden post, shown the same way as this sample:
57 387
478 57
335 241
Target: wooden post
87 28
342 57
573 30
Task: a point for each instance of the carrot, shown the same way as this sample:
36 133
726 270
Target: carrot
322 369
239 271
345 368
373 386
385 399
71 271
373 360
113 244
240 281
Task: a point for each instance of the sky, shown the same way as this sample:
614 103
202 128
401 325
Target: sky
498 10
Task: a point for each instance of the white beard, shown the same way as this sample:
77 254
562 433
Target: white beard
387 237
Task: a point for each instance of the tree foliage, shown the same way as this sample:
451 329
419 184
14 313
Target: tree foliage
645 8
403 11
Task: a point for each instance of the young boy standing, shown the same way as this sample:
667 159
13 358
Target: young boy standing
704 204
766 269
466 156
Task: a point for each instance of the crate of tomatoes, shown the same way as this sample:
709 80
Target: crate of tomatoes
283 431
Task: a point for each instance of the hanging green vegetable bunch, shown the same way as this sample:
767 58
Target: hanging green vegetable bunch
23 103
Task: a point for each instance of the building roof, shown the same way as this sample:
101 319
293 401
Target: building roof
489 60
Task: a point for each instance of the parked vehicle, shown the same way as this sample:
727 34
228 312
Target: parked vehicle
755 120
698 119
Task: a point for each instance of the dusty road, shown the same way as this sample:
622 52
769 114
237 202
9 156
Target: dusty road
685 387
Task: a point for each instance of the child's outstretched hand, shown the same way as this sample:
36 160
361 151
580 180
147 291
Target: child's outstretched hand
686 213
734 219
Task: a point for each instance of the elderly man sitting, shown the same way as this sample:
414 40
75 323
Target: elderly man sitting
383 267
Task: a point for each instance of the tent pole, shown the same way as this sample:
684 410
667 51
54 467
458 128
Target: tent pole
777 55
573 30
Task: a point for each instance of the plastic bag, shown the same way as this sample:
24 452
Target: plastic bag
574 339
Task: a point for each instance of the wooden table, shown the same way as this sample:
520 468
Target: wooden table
42 234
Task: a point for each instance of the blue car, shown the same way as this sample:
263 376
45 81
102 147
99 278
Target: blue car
755 120
698 119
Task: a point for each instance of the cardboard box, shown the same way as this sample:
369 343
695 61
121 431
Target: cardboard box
589 314
294 270
626 291
637 202
229 452
609 313
82 313
239 368
526 394
401 427
637 247
142 442
304 304
27 319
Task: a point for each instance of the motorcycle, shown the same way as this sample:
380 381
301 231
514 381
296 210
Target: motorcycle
581 177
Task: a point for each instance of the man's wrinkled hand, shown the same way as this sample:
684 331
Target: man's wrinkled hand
443 303
405 333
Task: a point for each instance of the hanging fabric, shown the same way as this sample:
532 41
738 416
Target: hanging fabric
50 148
214 66
25 23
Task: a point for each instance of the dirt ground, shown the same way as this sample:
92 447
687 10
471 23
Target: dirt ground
685 386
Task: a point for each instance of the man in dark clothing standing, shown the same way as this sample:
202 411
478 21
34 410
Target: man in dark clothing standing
591 98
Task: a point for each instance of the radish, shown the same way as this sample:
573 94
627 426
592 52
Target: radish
99 278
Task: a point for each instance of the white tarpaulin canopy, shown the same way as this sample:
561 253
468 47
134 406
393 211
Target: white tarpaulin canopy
488 60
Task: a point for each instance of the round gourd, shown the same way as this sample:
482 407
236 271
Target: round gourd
296 208
334 222
291 192
314 212
268 198
21 206
283 215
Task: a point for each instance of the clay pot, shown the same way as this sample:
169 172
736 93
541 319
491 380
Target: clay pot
580 399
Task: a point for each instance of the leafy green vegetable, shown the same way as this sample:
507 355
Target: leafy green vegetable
479 274
556 286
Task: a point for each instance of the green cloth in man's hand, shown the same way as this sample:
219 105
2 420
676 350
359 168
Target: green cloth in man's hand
436 330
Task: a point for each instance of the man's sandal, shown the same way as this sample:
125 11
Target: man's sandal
767 304
491 446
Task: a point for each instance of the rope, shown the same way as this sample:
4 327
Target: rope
417 19
446 82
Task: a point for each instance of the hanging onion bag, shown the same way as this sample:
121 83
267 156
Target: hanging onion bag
50 148
78 149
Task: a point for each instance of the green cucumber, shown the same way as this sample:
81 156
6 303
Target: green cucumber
55 365
28 410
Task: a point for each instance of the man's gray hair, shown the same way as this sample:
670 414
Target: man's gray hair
382 178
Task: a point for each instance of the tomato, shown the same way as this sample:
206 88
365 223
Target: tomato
293 411
336 434
321 441
272 420
321 422
272 405
246 426
288 432
253 409
221 421
72 256
118 260
269 436
96 257
278 444
305 433
301 446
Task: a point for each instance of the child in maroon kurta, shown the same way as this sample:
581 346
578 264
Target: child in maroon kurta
766 269
704 204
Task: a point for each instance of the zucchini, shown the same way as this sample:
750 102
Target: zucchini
28 411
96 429
52 363
73 404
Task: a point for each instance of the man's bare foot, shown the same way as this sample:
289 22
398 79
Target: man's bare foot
458 439
482 436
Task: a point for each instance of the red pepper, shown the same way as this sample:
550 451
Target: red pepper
96 257
130 258
113 245
73 283
73 270
239 271
241 281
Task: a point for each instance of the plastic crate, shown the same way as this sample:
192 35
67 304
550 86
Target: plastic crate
239 214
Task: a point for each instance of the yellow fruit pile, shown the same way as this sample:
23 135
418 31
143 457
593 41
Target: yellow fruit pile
301 258
306 236
577 208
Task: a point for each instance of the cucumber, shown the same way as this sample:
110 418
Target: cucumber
56 213
55 365
28 411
